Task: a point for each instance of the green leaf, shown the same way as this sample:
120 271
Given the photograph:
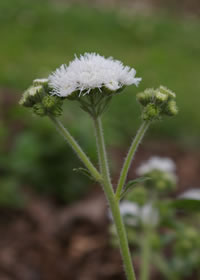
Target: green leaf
131 184
186 204
84 171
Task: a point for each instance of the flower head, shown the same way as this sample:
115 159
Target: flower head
157 163
91 71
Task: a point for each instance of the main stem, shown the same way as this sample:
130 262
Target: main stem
77 149
127 163
113 203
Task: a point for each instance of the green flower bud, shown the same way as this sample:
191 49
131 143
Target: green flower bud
50 105
157 103
171 108
145 97
39 110
49 102
53 105
56 112
44 83
160 97
151 112
31 96
167 91
38 97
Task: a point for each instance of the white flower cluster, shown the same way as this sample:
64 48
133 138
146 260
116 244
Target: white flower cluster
134 214
191 194
91 71
157 163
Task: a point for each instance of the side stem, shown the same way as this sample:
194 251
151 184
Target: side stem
77 149
113 203
132 150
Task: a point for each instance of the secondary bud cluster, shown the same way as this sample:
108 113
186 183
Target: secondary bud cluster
39 99
157 103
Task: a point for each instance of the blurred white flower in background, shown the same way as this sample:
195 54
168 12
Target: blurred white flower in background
134 214
191 194
157 163
130 211
149 215
91 71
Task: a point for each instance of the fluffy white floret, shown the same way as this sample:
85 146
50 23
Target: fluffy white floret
157 163
191 194
91 71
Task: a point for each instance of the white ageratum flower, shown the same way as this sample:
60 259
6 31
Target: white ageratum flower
134 214
191 194
91 71
157 163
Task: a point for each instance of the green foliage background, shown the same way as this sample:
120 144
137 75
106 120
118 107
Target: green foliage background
38 36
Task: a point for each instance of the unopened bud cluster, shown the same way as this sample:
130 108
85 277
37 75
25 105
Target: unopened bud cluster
39 99
157 103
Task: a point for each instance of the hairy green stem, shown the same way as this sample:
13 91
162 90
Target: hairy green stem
113 203
127 163
77 149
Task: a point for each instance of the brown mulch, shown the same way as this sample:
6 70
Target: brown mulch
47 242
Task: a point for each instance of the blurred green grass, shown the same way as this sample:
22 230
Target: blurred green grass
37 36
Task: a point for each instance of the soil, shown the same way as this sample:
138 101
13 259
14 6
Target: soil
45 241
